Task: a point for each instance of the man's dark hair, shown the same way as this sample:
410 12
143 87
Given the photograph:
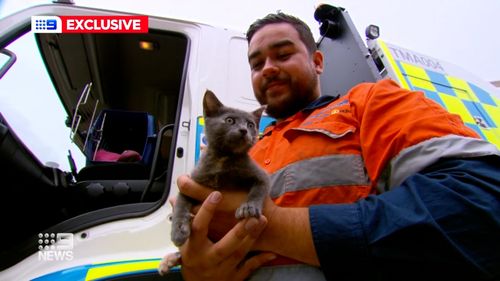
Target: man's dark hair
305 33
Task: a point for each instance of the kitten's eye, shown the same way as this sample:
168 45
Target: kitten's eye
250 125
230 120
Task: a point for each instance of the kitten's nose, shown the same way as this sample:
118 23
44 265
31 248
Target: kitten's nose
243 131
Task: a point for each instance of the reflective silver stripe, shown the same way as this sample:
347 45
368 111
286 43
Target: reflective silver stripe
417 157
325 132
330 170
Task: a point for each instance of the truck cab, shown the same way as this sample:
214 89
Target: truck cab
117 93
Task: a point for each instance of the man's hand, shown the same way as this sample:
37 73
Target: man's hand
226 209
285 226
203 259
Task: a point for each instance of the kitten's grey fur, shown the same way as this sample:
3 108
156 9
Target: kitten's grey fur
225 164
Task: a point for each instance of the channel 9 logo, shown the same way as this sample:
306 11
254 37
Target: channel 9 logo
46 24
55 246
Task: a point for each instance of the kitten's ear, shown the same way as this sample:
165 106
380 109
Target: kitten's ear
211 104
258 113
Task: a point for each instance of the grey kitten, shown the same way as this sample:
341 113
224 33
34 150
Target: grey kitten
230 134
225 164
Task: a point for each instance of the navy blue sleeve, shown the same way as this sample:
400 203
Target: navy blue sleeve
441 223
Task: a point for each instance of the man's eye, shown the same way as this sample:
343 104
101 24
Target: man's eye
256 66
230 120
284 56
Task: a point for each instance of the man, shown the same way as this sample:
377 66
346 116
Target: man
381 183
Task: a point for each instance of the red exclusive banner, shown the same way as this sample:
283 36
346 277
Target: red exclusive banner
104 24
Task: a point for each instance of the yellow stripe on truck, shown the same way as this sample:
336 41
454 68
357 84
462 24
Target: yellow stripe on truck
116 269
394 66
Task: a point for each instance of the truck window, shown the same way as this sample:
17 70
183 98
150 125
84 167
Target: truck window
30 104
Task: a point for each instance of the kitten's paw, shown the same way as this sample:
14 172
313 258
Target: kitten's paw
169 261
247 210
180 232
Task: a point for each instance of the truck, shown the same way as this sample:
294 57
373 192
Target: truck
141 92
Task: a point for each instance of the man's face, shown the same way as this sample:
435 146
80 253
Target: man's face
284 74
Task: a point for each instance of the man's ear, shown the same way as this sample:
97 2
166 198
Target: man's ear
211 104
317 58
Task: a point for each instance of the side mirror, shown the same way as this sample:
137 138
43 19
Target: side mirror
7 59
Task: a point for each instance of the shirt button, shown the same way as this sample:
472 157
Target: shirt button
267 161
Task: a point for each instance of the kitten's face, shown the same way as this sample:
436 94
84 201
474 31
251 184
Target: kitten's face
228 129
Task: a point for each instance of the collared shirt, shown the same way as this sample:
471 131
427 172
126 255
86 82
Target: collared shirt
375 139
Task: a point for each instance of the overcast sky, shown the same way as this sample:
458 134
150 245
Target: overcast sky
463 32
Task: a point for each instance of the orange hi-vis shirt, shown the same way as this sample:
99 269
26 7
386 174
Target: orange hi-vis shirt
365 142
341 151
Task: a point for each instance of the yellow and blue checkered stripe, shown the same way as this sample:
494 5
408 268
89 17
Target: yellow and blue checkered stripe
104 271
478 109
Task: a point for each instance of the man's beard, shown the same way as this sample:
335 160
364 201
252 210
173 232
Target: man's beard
286 108
295 101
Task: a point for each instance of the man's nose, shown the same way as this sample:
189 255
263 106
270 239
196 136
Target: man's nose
270 69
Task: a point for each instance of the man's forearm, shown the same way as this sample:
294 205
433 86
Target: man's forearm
288 233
